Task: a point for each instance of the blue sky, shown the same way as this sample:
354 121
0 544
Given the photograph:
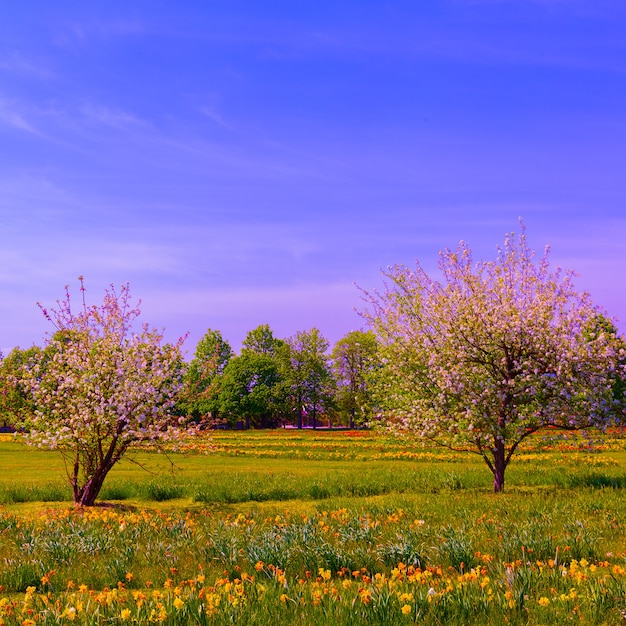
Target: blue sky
244 163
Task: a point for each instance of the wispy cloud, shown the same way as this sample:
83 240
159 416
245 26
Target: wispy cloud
218 119
14 118
15 63
74 34
111 117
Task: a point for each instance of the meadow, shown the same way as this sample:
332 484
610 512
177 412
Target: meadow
302 527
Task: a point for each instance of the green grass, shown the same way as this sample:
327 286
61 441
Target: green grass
311 528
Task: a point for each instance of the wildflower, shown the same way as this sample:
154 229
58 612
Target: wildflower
125 614
69 613
179 603
543 601
509 596
406 609
324 574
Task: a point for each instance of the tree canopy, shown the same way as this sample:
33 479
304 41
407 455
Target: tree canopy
103 386
355 361
308 380
492 352
199 397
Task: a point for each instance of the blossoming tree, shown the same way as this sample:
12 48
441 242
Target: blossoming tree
492 352
104 387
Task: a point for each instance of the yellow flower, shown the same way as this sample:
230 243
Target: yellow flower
406 609
543 601
69 613
125 614
179 603
324 574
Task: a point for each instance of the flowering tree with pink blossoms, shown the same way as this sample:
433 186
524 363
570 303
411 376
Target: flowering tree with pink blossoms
492 352
102 388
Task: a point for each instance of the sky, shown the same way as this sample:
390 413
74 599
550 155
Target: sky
245 163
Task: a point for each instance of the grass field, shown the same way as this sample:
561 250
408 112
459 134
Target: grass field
289 527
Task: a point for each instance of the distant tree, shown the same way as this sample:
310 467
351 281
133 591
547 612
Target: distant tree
199 397
355 359
104 387
250 390
493 353
602 326
307 378
16 400
261 340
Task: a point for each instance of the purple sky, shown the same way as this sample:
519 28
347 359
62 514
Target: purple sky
244 163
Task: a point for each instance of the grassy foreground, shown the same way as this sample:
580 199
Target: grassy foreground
317 528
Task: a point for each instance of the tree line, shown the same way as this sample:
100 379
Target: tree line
478 358
275 382
272 382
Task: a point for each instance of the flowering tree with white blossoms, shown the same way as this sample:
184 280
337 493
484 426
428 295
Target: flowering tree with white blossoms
102 387
492 352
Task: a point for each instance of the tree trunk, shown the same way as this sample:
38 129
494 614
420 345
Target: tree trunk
87 495
499 465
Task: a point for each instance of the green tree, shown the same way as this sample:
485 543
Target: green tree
251 389
355 359
99 387
603 325
261 340
199 397
492 353
16 399
307 378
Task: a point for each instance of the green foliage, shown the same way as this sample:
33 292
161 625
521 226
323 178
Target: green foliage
355 359
16 400
261 340
251 390
308 382
199 397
